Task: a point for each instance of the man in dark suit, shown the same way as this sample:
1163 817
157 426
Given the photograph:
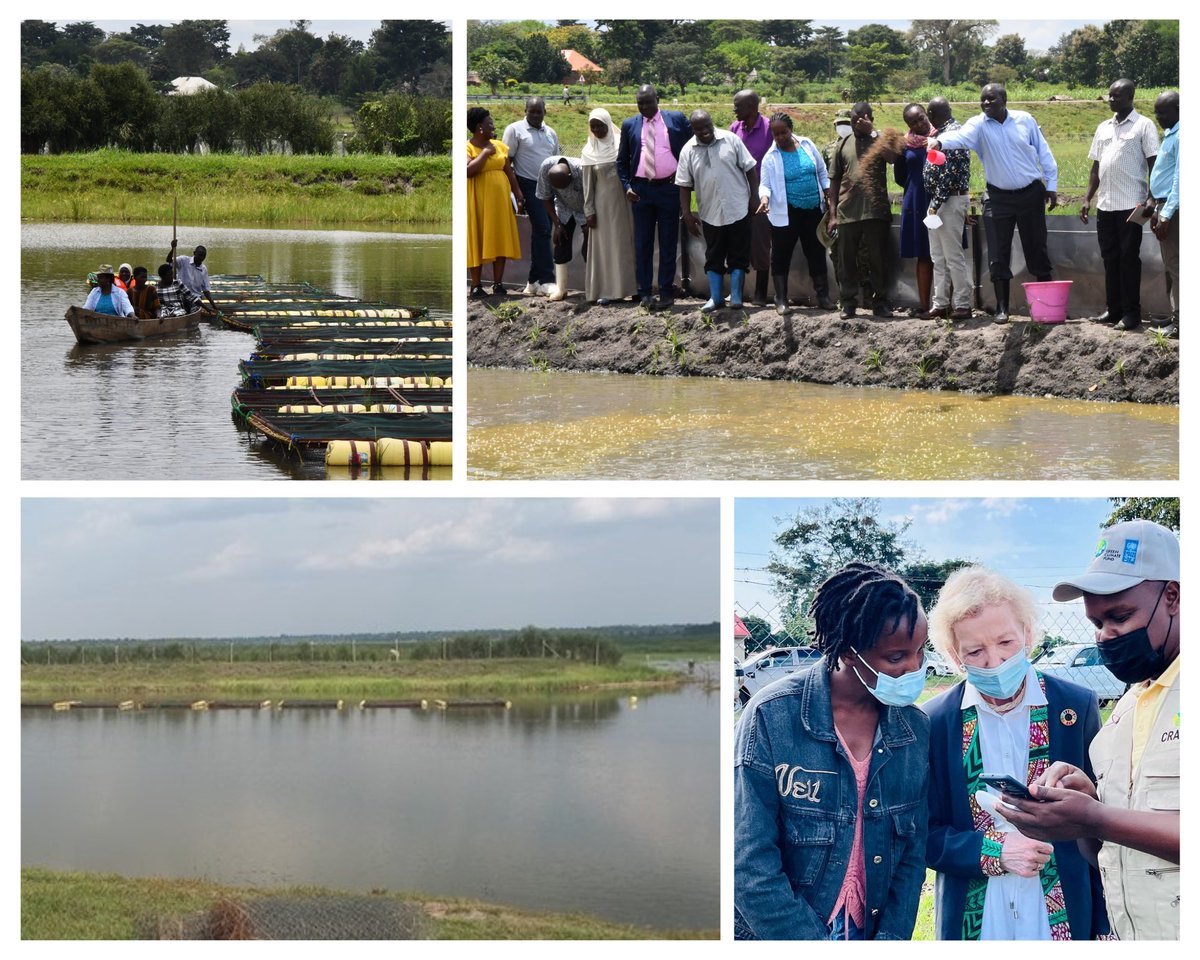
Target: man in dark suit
1005 719
646 160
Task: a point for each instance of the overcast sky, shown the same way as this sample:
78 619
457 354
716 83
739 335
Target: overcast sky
183 567
1036 542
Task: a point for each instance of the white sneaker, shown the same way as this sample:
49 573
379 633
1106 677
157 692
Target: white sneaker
533 289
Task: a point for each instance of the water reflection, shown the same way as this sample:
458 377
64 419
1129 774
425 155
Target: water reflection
527 425
589 803
158 409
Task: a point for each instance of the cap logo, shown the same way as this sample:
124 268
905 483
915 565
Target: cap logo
1100 547
1129 554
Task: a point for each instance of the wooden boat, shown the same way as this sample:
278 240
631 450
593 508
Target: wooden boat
91 327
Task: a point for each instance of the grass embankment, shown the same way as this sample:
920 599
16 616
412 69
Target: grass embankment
112 186
1067 126
323 680
89 906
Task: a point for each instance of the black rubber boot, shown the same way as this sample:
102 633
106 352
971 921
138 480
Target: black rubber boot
781 298
821 285
1001 313
761 278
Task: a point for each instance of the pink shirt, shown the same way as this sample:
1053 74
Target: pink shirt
853 895
664 159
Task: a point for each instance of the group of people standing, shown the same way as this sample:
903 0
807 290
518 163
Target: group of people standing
1040 822
760 189
182 281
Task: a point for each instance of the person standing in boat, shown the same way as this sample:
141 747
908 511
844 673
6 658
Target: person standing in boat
174 299
106 297
191 272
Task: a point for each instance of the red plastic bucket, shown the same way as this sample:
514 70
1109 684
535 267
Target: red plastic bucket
1048 300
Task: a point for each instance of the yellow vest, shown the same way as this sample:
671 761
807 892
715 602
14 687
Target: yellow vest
1141 890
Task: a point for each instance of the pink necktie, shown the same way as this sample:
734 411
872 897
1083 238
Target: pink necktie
649 148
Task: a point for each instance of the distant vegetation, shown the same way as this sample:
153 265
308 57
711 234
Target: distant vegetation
84 89
593 645
793 61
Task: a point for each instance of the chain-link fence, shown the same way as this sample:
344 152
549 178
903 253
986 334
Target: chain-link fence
769 626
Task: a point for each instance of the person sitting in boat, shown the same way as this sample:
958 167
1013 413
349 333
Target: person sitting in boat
192 272
174 299
124 278
144 295
106 297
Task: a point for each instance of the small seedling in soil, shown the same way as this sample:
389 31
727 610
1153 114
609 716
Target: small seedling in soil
874 360
925 366
1160 340
507 312
535 332
541 364
1119 368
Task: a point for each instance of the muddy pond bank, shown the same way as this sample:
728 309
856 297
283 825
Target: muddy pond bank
1076 360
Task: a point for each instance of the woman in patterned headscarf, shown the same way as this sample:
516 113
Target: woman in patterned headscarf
1006 719
611 274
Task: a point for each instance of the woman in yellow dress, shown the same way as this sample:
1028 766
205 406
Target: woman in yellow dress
491 221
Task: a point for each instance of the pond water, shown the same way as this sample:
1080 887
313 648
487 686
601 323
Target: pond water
555 425
582 804
160 410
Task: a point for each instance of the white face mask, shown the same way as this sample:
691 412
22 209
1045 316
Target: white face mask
843 129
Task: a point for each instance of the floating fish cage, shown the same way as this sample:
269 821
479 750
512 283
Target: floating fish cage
359 383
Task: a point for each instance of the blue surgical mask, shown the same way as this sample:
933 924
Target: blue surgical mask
1003 681
901 691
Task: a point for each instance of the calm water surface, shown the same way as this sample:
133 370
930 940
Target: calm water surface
555 425
579 804
160 410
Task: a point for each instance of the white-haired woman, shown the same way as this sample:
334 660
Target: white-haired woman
1008 720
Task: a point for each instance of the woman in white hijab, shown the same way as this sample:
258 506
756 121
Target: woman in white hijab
610 266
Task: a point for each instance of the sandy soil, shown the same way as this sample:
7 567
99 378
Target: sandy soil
1077 359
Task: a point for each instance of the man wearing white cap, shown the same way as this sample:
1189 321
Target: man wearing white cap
1129 819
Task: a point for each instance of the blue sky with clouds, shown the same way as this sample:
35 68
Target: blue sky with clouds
227 567
1036 542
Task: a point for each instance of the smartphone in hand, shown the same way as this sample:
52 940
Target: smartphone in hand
1008 785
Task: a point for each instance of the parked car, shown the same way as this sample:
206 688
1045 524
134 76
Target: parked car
1080 663
936 665
755 673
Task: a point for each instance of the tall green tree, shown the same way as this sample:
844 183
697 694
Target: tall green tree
1164 510
832 44
867 70
869 34
817 541
950 40
405 50
681 63
543 62
1009 50
1080 56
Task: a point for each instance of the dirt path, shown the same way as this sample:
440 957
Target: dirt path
1078 359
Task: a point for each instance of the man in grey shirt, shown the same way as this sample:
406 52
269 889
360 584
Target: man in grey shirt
530 142
560 188
725 177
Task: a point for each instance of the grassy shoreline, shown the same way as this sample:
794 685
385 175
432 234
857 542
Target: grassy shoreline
407 679
113 186
64 905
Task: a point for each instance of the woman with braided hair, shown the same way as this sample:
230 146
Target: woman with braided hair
830 768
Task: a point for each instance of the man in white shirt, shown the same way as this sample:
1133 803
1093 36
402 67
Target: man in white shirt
530 142
1122 155
191 272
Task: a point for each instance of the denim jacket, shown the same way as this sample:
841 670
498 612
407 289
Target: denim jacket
795 801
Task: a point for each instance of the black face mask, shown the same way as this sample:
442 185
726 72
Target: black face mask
1130 656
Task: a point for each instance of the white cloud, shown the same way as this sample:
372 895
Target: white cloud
1004 506
604 510
940 511
229 561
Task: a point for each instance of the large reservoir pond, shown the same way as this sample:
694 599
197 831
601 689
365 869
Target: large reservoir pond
159 410
555 425
595 804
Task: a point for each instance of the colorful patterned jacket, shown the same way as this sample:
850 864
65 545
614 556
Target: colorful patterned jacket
956 848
